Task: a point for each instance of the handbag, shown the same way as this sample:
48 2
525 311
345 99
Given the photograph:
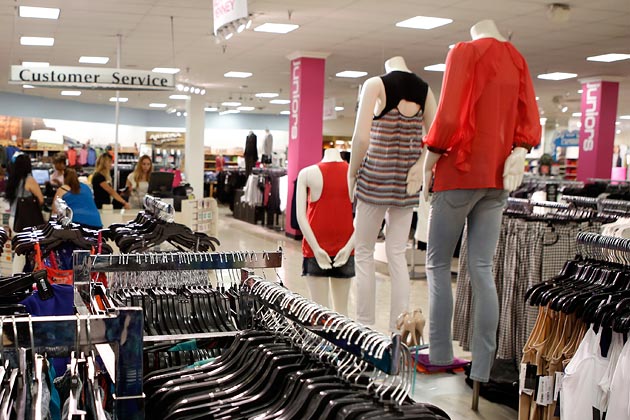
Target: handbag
27 212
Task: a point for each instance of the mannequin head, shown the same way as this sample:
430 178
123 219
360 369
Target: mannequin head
396 64
486 29
332 155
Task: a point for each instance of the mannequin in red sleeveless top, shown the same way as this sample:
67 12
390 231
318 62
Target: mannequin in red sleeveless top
324 213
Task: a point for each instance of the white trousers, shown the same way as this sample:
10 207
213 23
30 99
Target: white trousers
321 288
368 220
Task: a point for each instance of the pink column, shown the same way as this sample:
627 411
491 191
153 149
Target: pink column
305 120
597 133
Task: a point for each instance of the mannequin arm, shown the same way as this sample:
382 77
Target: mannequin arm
323 259
429 163
370 93
514 169
344 253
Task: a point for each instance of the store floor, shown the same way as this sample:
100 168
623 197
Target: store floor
447 391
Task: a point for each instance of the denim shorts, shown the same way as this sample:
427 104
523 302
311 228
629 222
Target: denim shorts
311 268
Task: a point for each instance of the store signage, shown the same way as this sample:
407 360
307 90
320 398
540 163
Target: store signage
92 78
589 121
227 11
566 138
158 138
329 109
296 73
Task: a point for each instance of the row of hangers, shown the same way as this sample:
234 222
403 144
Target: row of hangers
185 310
595 285
155 226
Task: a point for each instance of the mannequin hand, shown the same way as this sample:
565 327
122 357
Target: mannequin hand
342 256
323 259
352 182
429 163
514 169
414 178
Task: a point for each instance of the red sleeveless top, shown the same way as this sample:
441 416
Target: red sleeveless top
330 217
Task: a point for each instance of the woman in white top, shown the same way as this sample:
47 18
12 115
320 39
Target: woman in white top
138 181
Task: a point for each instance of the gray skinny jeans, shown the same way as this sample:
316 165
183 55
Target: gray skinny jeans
482 209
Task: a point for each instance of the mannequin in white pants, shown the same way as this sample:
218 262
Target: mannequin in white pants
310 188
486 120
385 176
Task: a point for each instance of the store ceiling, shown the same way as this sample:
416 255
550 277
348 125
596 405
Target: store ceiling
358 35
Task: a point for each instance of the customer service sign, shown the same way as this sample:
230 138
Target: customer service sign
91 78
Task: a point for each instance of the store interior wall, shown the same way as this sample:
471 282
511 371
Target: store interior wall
95 122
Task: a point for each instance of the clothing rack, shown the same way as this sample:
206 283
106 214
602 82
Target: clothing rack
384 353
581 201
60 335
593 245
618 207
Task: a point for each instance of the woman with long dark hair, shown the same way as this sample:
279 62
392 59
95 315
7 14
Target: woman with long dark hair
21 184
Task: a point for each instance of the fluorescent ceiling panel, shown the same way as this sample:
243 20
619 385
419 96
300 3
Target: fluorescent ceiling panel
267 95
70 93
351 74
85 59
424 22
608 58
230 103
39 12
157 105
280 101
179 97
38 41
114 99
276 28
238 74
35 64
436 67
166 70
558 75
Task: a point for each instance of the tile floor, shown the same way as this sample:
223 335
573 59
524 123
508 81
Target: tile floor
447 391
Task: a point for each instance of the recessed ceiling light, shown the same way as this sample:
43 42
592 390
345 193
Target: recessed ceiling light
576 114
450 47
565 108
28 87
86 59
279 101
267 95
115 99
70 93
246 108
285 112
339 108
351 73
39 41
178 113
543 121
238 74
624 117
618 131
558 75
179 97
580 91
203 91
436 67
229 35
39 12
157 105
609 58
180 87
229 111
276 28
537 97
230 103
211 109
35 64
185 114
424 22
165 70
617 123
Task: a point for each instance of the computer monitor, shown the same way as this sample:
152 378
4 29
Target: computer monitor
161 184
42 176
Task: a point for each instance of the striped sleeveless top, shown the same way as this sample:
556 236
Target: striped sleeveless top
395 145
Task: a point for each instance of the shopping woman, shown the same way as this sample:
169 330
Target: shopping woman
59 162
138 182
101 183
78 197
21 184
